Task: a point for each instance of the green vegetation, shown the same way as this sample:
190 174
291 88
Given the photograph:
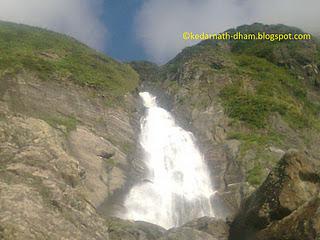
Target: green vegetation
70 123
265 89
147 71
255 175
55 56
257 141
269 90
254 138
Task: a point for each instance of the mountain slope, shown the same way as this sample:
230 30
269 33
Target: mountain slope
67 134
247 102
59 57
69 121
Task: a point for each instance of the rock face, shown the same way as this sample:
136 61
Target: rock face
128 230
41 185
204 228
69 123
68 150
303 223
66 146
246 103
285 206
199 229
215 227
52 159
186 233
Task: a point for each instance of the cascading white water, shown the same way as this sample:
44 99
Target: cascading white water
178 187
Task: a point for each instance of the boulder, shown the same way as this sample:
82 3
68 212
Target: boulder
215 227
186 233
119 229
285 206
304 223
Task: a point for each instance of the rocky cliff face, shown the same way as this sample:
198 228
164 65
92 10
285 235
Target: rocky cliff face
69 125
285 206
66 141
247 104
42 185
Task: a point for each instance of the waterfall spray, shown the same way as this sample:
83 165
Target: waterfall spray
178 186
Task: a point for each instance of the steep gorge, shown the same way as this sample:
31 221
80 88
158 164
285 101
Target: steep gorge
69 127
247 104
176 187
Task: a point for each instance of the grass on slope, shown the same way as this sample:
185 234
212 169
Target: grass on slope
261 84
56 56
266 89
255 81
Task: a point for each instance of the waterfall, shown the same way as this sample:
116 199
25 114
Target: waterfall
177 187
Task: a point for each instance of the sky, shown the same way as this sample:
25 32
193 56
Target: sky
152 29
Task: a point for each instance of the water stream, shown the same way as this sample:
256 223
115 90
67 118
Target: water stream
177 188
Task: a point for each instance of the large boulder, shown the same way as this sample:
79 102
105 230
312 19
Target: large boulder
119 229
285 206
304 223
215 227
186 233
204 228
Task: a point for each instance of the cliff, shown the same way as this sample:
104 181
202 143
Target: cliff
69 124
67 134
247 102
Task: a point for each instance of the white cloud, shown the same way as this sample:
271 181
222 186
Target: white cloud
160 23
299 13
78 18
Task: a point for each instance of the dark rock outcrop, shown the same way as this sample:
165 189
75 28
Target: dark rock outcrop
215 227
199 229
186 233
303 223
119 229
285 206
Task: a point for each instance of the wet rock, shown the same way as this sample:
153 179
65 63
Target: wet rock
215 227
186 233
129 230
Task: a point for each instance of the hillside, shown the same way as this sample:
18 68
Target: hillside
247 102
69 130
59 57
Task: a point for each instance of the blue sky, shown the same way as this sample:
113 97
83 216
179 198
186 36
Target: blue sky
152 29
119 16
